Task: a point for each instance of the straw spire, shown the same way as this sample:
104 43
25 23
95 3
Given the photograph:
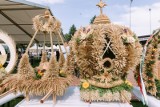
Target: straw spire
102 18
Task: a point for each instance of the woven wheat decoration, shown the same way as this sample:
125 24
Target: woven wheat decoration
50 77
105 53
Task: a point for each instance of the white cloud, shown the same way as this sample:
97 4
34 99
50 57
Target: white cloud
119 23
141 18
54 1
47 1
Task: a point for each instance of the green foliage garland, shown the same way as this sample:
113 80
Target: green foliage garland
115 89
158 88
150 69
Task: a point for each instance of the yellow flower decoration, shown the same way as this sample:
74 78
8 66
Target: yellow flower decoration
1 65
40 73
85 85
128 82
154 49
61 72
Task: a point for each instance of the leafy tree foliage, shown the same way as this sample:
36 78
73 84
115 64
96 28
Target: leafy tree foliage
69 35
92 20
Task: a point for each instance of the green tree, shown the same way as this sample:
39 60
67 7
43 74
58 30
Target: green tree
92 20
69 35
72 30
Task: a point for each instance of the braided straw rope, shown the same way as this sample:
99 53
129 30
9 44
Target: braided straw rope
122 96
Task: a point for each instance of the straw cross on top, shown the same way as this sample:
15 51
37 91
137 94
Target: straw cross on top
101 5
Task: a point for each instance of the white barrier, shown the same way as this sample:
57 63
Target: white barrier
9 97
152 101
70 99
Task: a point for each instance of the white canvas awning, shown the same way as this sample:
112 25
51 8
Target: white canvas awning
16 19
34 47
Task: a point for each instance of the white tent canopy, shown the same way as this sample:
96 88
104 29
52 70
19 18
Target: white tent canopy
36 50
34 47
16 19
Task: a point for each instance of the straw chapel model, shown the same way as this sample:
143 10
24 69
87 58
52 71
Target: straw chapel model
104 54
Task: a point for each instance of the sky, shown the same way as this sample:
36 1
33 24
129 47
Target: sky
79 13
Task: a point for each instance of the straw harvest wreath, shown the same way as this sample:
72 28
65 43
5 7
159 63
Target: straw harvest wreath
55 78
12 49
4 71
151 67
104 54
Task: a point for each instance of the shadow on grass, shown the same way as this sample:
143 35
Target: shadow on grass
137 104
13 102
